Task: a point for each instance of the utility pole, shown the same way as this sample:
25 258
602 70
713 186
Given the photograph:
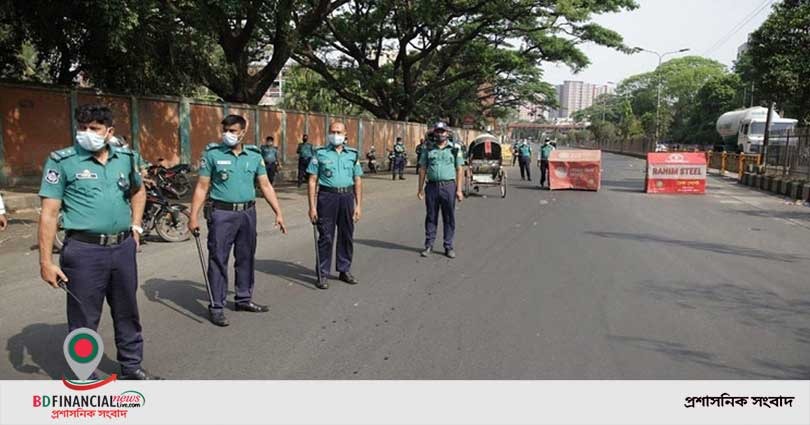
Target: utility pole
658 96
766 136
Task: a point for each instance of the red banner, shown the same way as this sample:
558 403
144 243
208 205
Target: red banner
575 169
676 172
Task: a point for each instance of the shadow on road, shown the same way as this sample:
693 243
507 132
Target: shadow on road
794 215
632 186
387 245
42 343
291 272
703 246
188 299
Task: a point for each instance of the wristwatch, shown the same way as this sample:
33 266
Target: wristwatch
137 229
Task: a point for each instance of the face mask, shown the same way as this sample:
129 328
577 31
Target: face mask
442 137
90 141
336 139
230 139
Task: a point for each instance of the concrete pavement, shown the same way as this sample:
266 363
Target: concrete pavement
547 285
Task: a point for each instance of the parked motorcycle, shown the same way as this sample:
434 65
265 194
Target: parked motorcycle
372 162
169 220
174 180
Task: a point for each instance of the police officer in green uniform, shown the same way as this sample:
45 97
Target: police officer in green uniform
230 170
305 151
524 151
335 199
99 190
270 155
441 164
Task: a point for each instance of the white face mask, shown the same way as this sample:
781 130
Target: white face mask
336 139
90 141
230 139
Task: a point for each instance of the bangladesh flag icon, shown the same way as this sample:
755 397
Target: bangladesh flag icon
83 350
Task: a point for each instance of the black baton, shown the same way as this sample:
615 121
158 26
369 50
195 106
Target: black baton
196 233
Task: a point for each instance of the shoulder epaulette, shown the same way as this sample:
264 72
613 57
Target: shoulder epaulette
253 148
63 153
350 149
123 150
211 146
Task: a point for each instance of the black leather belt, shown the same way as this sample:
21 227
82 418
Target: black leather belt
347 189
99 238
227 206
442 182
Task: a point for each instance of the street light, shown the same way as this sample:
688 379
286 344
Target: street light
658 72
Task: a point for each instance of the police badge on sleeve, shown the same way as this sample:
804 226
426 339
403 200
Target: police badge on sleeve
52 176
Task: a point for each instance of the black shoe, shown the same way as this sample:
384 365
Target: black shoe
348 278
218 318
322 283
401 177
426 252
252 307
450 253
139 374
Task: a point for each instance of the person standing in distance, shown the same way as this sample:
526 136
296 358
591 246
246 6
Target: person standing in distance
230 170
270 156
335 199
441 165
524 149
399 159
545 153
100 191
305 151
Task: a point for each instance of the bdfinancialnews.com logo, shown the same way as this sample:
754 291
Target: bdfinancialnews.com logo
126 400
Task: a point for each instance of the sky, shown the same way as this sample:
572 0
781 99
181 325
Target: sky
668 25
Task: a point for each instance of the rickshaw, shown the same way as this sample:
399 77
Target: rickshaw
484 165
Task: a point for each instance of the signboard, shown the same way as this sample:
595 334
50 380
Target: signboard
575 169
676 172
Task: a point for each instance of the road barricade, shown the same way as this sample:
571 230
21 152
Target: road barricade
575 169
676 172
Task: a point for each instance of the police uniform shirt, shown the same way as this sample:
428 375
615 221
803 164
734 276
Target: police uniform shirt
232 176
305 150
399 148
270 154
335 169
525 149
95 197
441 163
545 151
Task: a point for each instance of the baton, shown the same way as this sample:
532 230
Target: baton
317 252
196 233
62 285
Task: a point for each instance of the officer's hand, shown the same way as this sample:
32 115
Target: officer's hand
137 237
357 214
51 273
193 224
280 224
420 195
460 195
313 215
3 222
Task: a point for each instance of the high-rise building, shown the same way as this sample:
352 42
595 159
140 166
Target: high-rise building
577 95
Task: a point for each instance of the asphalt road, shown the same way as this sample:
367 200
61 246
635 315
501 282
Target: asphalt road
547 285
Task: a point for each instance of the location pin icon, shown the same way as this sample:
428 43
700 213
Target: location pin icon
83 350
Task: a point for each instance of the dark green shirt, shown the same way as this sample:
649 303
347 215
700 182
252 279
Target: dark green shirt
335 169
232 176
95 197
441 163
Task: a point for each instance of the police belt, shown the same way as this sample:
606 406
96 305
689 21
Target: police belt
99 238
347 189
227 206
441 182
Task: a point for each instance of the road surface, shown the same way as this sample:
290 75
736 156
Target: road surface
547 285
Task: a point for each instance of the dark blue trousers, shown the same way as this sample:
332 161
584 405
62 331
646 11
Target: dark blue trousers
271 168
226 230
97 272
525 165
440 198
544 172
303 163
399 165
336 210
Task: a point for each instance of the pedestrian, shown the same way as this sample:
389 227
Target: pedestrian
545 152
335 200
3 219
371 156
399 159
230 170
524 149
270 155
419 148
305 151
514 152
441 166
99 190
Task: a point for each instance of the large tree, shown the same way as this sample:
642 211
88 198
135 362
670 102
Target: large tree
777 61
390 56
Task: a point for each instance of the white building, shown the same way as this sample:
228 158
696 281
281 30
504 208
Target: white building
577 95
